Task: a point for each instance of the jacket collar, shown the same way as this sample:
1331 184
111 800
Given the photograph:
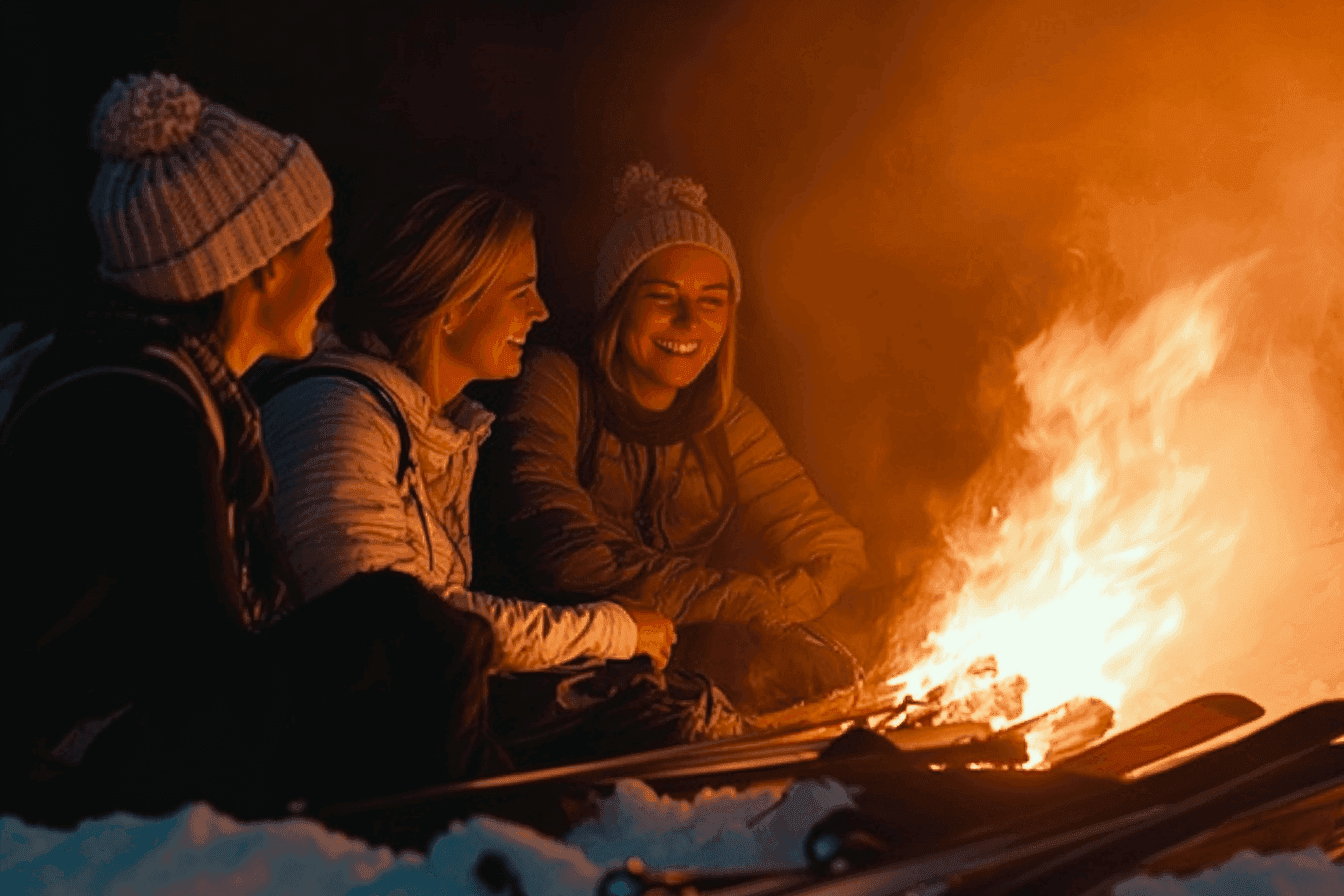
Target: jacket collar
460 420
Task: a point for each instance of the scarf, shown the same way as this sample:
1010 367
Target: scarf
248 486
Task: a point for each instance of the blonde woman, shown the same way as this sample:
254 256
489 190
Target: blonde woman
642 474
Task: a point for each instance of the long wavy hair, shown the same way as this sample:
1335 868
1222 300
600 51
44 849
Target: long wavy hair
444 250
711 392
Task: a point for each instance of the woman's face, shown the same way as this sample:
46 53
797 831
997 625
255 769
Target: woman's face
678 310
487 343
301 278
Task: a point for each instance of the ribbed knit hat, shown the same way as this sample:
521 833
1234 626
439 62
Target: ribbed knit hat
191 196
655 212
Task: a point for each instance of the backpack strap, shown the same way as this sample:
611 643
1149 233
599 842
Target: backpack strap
271 386
203 396
196 392
585 454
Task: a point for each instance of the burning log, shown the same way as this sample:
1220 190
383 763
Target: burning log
1063 731
976 694
1001 700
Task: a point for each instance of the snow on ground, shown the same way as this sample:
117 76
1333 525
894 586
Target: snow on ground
1305 873
200 852
197 851
760 829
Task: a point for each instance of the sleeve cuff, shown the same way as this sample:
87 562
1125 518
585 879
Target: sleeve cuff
624 632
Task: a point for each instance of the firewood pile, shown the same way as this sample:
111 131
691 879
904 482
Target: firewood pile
976 695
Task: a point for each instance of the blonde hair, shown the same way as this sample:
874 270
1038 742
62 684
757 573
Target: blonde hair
712 390
443 252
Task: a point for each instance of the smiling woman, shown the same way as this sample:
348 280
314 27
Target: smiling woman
484 339
374 446
642 475
677 308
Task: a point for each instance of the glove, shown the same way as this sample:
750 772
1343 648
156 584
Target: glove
795 664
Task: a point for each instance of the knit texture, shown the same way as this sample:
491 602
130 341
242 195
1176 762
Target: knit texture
191 196
656 212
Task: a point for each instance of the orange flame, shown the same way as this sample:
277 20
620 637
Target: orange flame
1078 583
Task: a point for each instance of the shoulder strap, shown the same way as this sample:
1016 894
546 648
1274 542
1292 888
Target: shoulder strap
585 454
204 397
198 395
272 386
16 361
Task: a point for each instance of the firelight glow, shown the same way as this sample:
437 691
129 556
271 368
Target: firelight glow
1078 582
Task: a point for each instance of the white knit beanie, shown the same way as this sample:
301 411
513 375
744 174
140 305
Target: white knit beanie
191 196
656 212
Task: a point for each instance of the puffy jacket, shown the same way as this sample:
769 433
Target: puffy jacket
341 510
655 529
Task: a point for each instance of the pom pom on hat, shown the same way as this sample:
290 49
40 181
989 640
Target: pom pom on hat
655 212
145 116
640 187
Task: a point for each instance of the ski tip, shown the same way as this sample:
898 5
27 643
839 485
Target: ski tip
1231 705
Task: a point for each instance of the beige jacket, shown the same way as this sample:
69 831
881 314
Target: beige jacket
653 530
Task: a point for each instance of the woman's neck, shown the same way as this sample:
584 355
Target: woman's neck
241 340
240 348
443 381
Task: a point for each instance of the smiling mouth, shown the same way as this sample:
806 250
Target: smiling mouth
673 347
517 341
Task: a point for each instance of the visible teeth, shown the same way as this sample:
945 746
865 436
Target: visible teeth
676 348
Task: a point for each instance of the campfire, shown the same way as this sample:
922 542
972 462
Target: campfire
1076 570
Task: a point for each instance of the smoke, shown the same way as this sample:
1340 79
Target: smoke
1268 423
919 190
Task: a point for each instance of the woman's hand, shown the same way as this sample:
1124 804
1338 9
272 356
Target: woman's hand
656 635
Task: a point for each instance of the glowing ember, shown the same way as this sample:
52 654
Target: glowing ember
1077 583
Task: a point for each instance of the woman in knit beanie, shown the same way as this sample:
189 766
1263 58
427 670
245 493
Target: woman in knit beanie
136 491
643 475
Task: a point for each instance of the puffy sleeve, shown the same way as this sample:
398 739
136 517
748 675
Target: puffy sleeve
338 506
813 551
530 635
570 547
341 512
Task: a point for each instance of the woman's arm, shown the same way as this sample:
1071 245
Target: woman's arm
530 635
341 512
568 546
814 552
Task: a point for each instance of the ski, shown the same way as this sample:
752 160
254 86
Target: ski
1188 725
1075 846
536 797
1070 828
748 752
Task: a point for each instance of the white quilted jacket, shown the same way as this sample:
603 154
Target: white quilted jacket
341 512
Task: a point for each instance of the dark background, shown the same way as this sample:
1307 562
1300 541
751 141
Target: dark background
915 189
